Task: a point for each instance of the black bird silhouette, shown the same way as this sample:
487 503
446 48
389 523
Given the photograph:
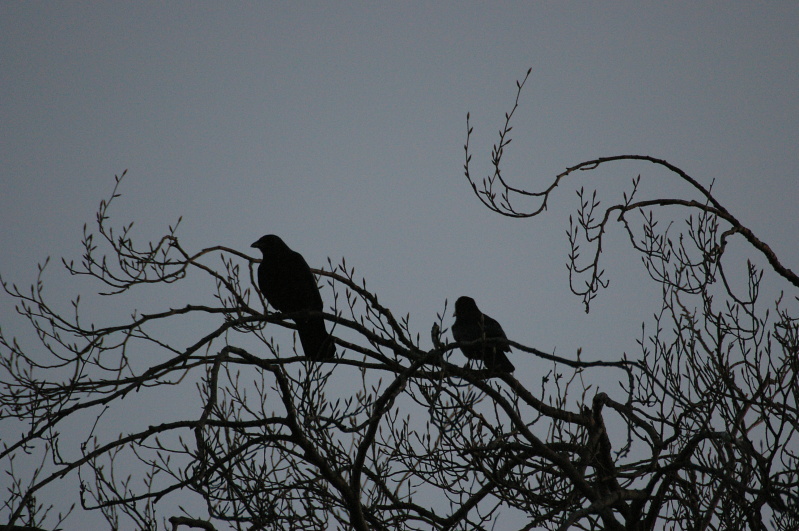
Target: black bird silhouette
289 286
470 325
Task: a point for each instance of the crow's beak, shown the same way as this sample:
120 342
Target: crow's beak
255 244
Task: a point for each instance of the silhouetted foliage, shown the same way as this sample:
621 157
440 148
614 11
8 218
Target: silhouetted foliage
706 412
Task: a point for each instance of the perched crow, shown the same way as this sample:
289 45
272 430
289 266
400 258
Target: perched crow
470 325
289 286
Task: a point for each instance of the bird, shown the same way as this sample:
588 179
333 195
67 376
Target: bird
286 281
470 325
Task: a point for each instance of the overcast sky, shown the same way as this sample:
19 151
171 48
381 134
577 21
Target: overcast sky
340 127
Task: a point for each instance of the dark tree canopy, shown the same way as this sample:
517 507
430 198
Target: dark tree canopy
696 430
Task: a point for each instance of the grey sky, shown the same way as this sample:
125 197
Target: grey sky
340 127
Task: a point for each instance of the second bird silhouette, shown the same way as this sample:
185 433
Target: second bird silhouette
289 286
470 325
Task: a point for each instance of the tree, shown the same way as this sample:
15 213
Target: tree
707 409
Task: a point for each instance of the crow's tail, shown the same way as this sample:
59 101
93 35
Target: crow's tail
498 361
316 342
